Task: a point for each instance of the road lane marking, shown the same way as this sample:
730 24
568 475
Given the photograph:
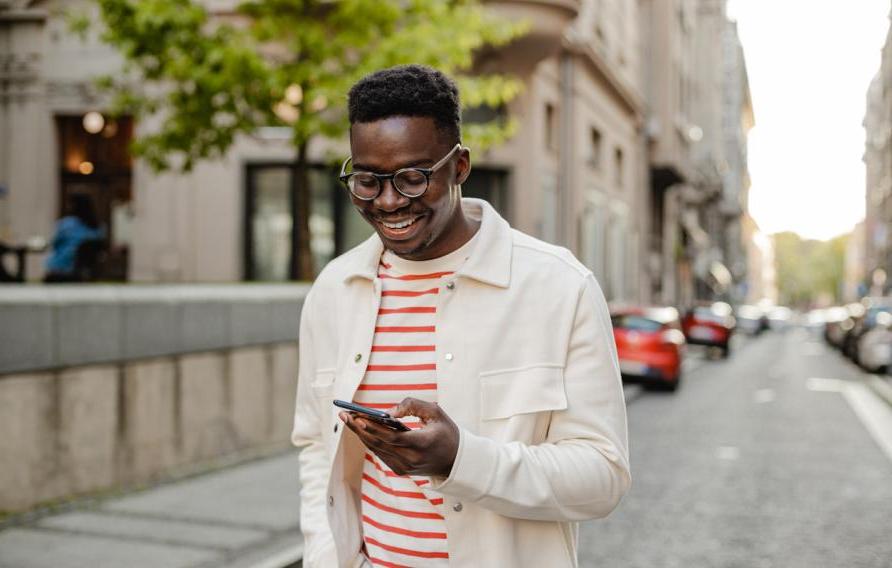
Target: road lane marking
818 384
873 412
762 396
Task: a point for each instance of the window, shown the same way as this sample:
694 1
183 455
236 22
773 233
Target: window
619 166
594 159
269 240
550 128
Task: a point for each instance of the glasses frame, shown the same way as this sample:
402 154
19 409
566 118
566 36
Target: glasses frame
427 172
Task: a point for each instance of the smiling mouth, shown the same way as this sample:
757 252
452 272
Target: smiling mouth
398 229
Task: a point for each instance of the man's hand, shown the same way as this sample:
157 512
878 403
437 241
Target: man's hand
430 450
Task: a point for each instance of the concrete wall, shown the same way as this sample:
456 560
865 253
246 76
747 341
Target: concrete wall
109 387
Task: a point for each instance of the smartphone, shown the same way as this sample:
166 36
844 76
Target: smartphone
378 416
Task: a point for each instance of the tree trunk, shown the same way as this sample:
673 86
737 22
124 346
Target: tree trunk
301 254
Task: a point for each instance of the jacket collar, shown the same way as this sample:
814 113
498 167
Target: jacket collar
490 260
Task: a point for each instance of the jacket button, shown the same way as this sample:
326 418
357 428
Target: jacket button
336 428
448 356
450 285
330 501
457 507
357 358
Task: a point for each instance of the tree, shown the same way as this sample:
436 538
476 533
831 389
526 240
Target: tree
210 79
807 269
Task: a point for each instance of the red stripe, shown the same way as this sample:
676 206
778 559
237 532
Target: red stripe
411 310
388 473
410 293
398 530
391 491
406 551
385 265
412 514
386 564
396 387
407 277
405 329
414 425
403 348
415 367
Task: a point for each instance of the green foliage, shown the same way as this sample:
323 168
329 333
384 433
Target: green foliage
204 80
807 269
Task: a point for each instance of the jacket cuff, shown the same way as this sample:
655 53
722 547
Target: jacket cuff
472 471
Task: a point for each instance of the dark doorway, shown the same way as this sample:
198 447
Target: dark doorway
97 163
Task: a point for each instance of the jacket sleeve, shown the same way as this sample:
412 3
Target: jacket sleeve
319 547
581 470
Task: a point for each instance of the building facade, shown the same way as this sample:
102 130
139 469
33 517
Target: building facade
878 175
630 152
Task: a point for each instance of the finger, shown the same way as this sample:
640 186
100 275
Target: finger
426 411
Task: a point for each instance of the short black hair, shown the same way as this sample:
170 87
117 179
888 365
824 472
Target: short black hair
408 90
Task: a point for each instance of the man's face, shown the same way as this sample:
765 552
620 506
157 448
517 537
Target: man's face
437 225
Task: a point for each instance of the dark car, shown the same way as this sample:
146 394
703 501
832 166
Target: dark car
650 345
711 325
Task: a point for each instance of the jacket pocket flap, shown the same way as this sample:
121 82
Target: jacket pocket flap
521 391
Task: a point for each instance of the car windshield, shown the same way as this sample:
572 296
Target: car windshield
707 314
635 323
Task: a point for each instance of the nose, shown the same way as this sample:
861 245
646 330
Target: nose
389 199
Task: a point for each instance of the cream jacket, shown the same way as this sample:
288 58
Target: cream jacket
526 367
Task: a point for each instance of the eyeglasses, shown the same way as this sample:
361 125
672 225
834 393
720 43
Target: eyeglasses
411 182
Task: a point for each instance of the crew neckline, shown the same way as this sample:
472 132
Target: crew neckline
451 261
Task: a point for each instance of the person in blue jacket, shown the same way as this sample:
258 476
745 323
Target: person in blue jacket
76 227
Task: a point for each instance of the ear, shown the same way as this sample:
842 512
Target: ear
463 165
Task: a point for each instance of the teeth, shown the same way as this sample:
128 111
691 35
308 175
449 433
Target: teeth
402 225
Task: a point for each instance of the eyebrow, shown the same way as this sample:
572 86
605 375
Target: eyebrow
414 164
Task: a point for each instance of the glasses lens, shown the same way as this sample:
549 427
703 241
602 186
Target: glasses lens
363 185
411 182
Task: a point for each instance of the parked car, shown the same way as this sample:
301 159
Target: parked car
875 345
874 308
751 320
836 319
780 317
650 345
711 325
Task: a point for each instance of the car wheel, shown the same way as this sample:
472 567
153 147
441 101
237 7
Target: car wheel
726 351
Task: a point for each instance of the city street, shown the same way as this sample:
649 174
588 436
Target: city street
759 460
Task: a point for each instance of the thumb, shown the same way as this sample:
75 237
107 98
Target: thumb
413 407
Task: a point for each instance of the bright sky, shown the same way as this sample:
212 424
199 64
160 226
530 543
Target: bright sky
809 63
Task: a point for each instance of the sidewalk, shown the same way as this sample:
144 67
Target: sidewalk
245 516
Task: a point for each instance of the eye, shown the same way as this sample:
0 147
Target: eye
412 178
364 180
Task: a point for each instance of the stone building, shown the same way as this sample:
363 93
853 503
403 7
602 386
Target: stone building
878 174
574 174
699 115
629 136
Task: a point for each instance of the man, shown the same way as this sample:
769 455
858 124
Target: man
495 348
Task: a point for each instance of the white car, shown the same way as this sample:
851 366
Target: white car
875 345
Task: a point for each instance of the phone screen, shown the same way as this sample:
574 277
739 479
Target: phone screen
378 416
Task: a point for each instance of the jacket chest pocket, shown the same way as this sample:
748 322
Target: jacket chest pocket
516 404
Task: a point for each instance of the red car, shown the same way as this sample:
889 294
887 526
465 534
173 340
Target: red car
650 344
711 325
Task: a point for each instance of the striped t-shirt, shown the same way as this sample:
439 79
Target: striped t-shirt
402 517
